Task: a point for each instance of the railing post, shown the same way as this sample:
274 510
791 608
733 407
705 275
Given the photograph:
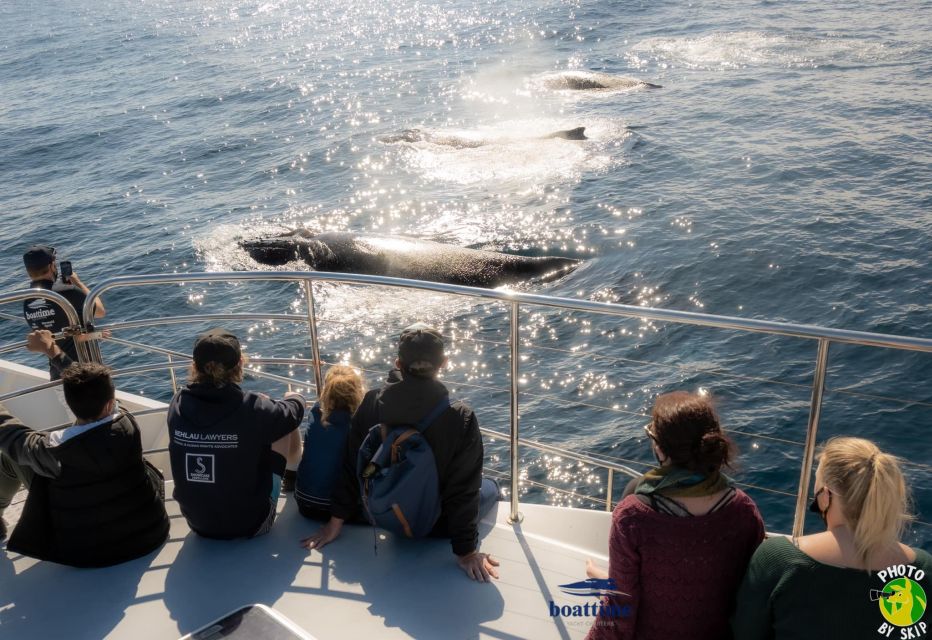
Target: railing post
515 516
608 489
81 348
312 328
815 409
171 371
91 345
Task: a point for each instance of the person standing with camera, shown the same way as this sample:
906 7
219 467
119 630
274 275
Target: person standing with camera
44 273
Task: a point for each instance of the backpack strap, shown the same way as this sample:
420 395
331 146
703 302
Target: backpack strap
420 427
396 445
428 420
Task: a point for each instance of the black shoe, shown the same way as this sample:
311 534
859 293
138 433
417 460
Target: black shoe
2 529
288 480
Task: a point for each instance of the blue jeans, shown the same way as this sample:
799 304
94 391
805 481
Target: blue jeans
489 494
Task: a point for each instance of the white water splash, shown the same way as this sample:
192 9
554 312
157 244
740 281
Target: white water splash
515 152
741 49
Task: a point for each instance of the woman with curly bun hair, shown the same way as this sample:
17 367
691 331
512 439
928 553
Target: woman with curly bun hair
853 580
682 537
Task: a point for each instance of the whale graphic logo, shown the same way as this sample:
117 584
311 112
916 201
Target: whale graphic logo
38 303
593 587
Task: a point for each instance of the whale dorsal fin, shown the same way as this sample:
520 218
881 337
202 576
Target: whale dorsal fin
579 133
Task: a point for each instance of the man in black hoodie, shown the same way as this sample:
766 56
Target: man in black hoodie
411 391
229 447
92 500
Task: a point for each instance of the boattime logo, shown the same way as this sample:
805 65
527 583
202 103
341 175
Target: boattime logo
902 602
591 588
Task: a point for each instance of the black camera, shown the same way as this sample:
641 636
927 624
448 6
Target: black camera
64 268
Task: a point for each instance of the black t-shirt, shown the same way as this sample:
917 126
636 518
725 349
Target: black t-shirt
45 314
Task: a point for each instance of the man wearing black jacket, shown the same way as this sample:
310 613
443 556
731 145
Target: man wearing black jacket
410 393
92 500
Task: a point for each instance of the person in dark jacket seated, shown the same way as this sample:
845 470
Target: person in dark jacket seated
325 441
229 447
411 391
92 500
681 541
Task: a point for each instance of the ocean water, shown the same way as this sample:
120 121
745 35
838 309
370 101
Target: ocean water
782 172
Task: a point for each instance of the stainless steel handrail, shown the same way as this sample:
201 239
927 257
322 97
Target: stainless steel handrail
815 410
824 336
207 317
515 517
170 366
62 303
813 332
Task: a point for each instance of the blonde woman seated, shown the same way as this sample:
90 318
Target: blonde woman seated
681 541
854 580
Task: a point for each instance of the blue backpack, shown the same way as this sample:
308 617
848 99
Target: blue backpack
398 476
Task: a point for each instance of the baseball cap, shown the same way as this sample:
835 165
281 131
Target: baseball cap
217 345
420 348
38 256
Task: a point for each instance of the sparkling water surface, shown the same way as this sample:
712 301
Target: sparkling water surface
782 172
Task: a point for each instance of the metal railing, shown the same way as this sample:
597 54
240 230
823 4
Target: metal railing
74 322
824 338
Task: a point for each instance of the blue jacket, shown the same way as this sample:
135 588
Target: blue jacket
324 444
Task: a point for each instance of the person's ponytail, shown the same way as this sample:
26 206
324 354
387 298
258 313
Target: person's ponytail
883 513
873 491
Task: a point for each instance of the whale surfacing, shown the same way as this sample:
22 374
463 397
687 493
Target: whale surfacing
405 258
592 81
469 142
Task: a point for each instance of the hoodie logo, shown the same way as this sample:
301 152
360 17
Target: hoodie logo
199 467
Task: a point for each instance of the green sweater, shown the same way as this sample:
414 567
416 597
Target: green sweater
787 595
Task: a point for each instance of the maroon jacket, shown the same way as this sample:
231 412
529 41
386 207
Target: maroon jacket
680 573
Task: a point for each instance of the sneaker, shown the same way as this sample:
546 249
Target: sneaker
289 480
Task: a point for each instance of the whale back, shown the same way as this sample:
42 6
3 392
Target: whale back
407 258
593 81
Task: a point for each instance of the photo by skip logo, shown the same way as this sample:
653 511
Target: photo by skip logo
591 588
902 602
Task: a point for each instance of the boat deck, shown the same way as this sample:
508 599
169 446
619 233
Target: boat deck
410 589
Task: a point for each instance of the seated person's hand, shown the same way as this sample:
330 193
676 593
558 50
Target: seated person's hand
41 341
594 571
478 566
324 536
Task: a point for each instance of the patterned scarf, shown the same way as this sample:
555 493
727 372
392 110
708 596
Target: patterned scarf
676 482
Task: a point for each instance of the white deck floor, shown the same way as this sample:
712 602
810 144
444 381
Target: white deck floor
411 589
